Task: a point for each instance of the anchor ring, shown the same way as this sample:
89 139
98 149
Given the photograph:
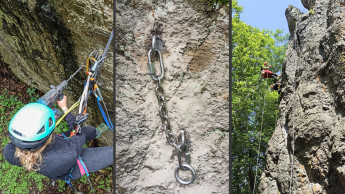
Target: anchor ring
185 167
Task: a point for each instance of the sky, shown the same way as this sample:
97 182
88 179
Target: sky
268 14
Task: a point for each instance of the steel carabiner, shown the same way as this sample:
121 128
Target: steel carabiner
183 150
151 66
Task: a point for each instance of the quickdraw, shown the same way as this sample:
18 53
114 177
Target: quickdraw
89 87
182 148
95 61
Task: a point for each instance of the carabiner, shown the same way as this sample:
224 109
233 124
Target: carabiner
151 66
183 151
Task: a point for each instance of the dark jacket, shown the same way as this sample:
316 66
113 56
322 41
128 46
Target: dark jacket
61 155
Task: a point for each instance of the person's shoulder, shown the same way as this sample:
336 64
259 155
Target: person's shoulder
61 145
9 147
9 152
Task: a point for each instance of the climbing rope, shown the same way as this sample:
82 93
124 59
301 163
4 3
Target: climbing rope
182 148
257 160
69 110
95 61
293 120
93 64
260 139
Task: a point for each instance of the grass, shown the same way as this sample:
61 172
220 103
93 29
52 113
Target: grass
311 11
15 179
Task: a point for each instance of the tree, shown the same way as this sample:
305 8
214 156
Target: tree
254 105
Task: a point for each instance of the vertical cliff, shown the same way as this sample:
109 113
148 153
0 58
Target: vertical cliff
309 134
196 58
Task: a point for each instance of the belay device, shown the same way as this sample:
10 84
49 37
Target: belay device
182 148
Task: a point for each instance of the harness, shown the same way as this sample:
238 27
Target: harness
82 169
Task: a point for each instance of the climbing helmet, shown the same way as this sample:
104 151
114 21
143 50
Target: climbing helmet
31 126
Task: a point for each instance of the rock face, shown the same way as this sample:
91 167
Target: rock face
292 15
314 114
196 59
44 42
308 4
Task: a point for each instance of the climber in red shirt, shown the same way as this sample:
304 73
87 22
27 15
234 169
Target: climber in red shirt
266 73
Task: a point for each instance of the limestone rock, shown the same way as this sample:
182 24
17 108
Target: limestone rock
308 4
292 15
312 114
44 42
195 54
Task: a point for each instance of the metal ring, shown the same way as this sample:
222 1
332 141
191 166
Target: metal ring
186 167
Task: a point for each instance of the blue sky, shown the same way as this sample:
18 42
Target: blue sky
268 14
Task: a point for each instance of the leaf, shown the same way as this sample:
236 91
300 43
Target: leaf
253 103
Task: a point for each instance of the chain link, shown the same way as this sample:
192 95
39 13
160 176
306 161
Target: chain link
171 138
182 148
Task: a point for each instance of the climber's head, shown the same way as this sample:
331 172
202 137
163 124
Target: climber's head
31 126
266 63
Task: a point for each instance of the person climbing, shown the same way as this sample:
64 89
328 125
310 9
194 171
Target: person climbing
276 86
35 147
266 73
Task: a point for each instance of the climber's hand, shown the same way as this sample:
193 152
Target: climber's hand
63 103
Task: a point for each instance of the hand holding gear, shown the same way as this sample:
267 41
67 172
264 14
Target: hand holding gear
63 104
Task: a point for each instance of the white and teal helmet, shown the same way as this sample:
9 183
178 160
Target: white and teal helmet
31 126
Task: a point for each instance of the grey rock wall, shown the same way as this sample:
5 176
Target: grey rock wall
44 42
196 59
308 4
314 117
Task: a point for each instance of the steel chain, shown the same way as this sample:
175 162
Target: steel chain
171 138
182 148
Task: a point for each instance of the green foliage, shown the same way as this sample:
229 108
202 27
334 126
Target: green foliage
9 105
236 9
61 185
104 184
254 105
13 179
61 127
311 11
32 94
